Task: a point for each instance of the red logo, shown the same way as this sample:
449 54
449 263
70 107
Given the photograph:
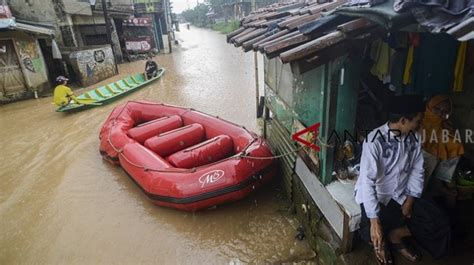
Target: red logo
314 129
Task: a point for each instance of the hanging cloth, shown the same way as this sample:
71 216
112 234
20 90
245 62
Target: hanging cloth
56 52
414 40
459 69
408 65
381 53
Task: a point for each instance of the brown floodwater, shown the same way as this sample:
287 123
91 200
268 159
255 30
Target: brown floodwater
60 203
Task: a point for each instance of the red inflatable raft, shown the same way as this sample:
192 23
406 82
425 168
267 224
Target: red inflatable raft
183 158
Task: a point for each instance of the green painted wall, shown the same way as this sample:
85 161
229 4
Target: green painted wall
326 94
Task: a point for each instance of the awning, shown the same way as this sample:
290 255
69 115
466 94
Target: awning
6 23
33 29
11 24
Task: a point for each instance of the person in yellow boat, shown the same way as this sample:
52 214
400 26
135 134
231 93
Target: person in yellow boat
63 95
442 148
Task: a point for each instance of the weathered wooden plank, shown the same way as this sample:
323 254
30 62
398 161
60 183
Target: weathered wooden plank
248 45
290 7
278 15
303 21
291 19
295 12
326 7
269 38
297 39
355 24
246 31
289 35
255 23
308 7
314 61
250 36
321 197
235 33
312 46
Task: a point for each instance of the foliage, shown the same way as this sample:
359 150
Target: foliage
226 28
216 5
197 15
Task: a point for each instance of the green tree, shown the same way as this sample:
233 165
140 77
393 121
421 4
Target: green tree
197 15
217 6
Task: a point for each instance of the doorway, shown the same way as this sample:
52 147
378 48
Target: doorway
11 76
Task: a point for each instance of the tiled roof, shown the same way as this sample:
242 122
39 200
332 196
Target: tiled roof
296 30
303 30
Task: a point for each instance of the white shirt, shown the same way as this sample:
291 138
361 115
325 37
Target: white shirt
391 168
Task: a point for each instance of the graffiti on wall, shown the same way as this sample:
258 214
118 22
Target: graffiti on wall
94 65
32 61
99 56
29 55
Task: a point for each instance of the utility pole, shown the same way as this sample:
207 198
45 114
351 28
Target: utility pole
108 29
255 57
169 27
235 9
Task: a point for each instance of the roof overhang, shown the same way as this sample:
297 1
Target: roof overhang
11 24
34 29
308 31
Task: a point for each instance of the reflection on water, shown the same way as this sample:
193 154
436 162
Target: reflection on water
61 203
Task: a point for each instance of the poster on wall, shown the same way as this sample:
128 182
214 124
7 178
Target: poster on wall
138 34
137 22
139 44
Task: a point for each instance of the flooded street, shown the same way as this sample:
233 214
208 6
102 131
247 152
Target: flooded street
60 203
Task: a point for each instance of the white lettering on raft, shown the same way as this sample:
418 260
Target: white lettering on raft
211 177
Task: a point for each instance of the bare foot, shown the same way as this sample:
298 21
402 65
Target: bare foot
383 256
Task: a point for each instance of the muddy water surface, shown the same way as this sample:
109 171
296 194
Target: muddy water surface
60 203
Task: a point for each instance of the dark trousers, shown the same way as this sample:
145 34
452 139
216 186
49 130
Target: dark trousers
151 74
428 224
390 216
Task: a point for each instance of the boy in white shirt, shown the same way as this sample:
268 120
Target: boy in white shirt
391 177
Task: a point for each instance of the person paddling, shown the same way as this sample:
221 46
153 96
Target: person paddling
151 68
63 95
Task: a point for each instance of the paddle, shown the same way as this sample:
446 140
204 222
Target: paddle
82 102
87 101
